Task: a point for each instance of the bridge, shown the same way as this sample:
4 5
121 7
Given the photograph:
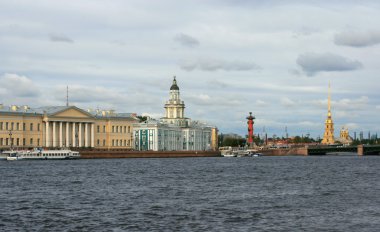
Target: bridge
360 150
324 150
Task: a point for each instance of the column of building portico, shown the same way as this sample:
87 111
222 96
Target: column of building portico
60 135
47 144
86 134
80 135
74 144
67 143
92 135
54 136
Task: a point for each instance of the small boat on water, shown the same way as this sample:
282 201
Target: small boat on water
40 154
227 152
256 154
12 155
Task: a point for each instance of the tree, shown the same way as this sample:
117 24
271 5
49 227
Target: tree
142 118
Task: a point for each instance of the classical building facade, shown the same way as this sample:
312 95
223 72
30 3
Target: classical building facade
328 136
64 126
175 131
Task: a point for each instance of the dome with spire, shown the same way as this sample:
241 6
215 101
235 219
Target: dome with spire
174 85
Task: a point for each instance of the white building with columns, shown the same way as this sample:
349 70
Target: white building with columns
174 131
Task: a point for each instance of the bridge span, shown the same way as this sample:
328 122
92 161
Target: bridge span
324 150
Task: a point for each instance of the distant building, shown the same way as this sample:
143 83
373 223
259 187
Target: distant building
328 137
344 136
64 126
174 131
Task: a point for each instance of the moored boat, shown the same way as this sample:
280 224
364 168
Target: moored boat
40 154
12 155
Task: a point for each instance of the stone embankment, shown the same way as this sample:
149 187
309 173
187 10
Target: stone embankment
284 152
108 154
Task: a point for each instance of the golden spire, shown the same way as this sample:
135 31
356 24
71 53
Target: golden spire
328 137
329 102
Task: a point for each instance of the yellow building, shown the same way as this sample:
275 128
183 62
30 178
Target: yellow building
64 126
214 139
344 136
328 137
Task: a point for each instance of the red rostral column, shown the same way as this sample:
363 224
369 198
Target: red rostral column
250 128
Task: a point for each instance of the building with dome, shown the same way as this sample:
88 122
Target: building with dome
174 132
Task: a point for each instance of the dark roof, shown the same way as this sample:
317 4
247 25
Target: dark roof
174 85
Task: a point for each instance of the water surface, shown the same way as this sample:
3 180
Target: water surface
192 194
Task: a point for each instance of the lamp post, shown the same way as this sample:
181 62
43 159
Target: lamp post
76 139
10 139
131 141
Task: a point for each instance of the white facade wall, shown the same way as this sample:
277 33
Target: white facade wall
165 137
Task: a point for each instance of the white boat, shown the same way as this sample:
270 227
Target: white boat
40 154
3 156
227 152
12 155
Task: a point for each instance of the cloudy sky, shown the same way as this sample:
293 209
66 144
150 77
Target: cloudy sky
274 58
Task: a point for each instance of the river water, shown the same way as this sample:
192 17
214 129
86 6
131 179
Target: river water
332 193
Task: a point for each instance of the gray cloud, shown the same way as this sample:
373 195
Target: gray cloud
312 63
60 38
357 39
17 86
287 102
217 64
186 40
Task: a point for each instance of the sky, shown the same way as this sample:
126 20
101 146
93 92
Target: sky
272 58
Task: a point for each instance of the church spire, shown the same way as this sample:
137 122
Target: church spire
329 102
328 137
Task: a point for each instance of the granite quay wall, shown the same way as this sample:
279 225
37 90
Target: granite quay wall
103 154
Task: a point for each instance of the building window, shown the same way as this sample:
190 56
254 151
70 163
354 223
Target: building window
98 129
129 129
1 125
23 127
38 127
38 140
113 129
129 142
125 143
18 142
23 141
31 127
1 141
98 141
31 141
12 124
125 129
104 129
17 126
104 142
113 142
7 141
6 126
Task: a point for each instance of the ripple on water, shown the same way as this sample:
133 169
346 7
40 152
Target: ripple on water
204 194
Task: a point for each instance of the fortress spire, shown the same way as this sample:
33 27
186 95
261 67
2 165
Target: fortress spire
329 102
328 137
